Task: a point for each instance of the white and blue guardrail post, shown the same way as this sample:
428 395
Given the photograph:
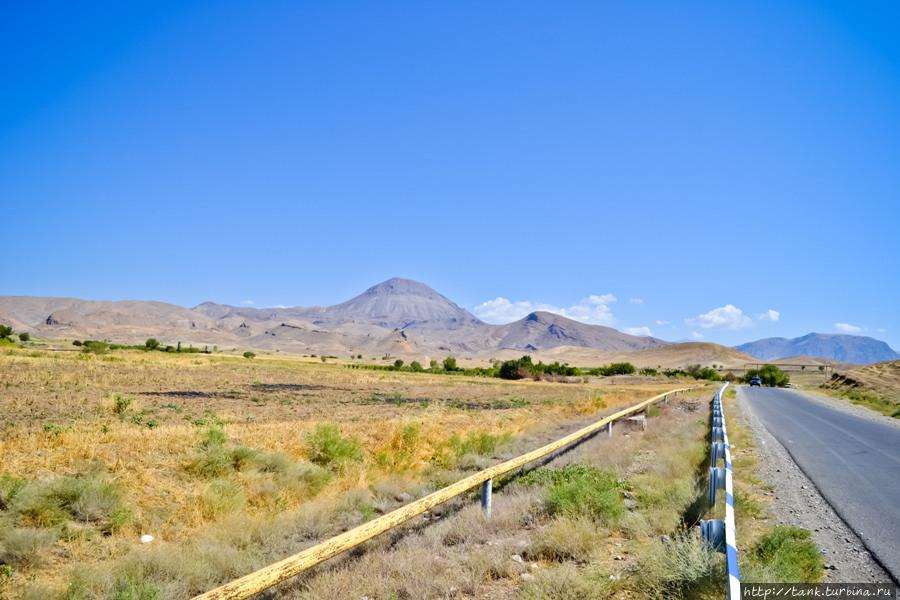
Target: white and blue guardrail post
720 534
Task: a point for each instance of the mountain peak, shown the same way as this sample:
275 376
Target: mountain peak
401 286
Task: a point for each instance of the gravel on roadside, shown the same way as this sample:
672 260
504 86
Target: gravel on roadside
796 501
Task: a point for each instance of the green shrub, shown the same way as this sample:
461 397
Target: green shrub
85 498
328 448
94 347
415 366
787 555
120 404
577 490
450 364
24 336
249 354
5 331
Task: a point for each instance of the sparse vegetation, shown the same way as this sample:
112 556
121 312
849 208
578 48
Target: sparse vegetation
786 554
248 355
580 490
213 454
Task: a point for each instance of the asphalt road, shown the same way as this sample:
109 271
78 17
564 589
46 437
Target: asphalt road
853 461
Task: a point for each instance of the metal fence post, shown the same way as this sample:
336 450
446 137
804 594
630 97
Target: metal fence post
487 492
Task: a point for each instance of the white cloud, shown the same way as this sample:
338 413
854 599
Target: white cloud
696 335
769 315
636 300
661 322
728 317
642 331
248 302
847 328
593 309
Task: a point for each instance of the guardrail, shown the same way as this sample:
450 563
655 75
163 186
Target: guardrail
720 534
264 578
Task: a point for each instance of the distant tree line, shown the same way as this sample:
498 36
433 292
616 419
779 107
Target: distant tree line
151 345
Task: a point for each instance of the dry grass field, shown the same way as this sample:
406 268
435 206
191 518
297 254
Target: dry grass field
230 463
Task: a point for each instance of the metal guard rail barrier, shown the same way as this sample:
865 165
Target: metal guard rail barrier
268 576
720 534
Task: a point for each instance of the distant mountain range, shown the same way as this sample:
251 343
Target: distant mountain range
398 316
844 348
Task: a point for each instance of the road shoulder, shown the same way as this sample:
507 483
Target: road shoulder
846 406
797 501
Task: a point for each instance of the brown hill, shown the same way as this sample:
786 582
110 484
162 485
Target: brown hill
879 379
398 316
669 356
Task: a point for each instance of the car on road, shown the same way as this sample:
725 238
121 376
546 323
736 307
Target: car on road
755 381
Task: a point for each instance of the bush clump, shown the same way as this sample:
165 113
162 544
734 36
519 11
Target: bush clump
787 554
576 490
328 448
681 567
89 499
771 376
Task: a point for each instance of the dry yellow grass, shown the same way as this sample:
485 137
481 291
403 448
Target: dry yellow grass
57 417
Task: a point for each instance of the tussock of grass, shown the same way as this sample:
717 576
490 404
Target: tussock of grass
568 582
23 546
89 498
269 477
568 538
449 454
401 449
580 490
221 497
682 567
787 554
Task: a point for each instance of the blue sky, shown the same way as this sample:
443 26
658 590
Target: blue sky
695 169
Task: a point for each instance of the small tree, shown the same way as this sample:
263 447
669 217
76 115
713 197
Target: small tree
398 364
24 336
76 342
5 331
433 364
249 354
510 370
450 364
151 344
415 366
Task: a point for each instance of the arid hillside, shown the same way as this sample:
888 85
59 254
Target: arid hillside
876 386
396 317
